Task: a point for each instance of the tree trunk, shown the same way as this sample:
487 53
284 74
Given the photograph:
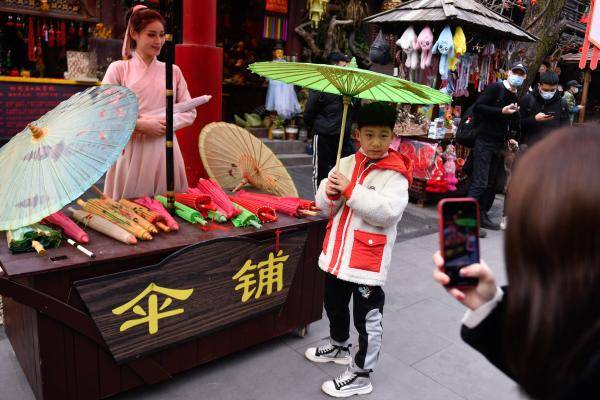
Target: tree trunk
541 20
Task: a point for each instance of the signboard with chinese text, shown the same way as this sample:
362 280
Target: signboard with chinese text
277 6
24 102
198 290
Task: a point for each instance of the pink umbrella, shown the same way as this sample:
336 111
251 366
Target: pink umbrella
69 228
264 212
156 206
292 206
212 188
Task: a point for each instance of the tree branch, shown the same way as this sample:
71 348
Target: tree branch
329 41
539 16
310 41
362 57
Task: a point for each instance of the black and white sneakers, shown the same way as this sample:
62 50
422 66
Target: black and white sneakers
329 353
348 384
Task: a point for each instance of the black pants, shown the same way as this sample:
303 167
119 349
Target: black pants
367 312
324 155
487 161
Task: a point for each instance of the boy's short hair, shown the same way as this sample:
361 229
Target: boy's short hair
376 114
549 78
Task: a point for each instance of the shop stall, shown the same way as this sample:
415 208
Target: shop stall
459 47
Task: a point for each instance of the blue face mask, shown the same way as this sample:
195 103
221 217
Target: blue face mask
516 80
547 95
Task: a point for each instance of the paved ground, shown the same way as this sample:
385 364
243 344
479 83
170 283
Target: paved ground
423 357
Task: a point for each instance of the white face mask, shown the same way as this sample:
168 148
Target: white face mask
575 90
547 95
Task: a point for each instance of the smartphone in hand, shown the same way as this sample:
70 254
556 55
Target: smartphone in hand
459 237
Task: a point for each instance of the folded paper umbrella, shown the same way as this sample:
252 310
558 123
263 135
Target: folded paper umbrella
69 228
102 225
233 158
202 203
36 237
126 212
96 206
264 212
349 82
185 212
245 219
292 206
151 216
157 207
63 153
218 195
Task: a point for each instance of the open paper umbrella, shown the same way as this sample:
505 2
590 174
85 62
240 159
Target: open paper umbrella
59 156
350 82
234 157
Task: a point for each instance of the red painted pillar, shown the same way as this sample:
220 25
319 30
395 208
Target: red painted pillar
202 65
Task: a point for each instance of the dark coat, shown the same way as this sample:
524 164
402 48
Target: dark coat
532 104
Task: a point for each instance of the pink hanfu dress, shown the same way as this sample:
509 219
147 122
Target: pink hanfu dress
141 168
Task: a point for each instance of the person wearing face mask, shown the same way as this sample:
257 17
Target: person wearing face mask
543 110
496 110
573 88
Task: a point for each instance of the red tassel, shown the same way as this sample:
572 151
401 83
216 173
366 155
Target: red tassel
277 233
51 36
63 34
30 40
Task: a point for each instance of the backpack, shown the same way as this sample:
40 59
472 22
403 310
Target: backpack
468 128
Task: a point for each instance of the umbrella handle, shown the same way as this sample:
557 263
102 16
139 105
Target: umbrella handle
239 186
38 247
342 132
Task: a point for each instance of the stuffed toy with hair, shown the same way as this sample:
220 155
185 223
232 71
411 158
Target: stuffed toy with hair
424 43
460 47
445 47
408 43
450 167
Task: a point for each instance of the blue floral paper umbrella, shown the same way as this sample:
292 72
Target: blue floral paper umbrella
58 157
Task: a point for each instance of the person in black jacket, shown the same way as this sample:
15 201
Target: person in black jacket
543 110
543 330
323 114
494 110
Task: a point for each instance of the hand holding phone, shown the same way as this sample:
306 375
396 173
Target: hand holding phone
472 297
459 238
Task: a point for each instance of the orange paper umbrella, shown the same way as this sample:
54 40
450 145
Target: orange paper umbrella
157 207
68 227
264 212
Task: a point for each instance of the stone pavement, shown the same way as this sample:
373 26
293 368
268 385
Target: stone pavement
423 356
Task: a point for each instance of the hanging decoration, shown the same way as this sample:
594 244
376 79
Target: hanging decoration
445 47
277 6
317 10
275 27
408 44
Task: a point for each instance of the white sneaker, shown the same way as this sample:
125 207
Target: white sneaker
329 353
348 384
503 223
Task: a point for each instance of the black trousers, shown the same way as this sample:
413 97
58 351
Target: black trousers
487 161
324 155
368 304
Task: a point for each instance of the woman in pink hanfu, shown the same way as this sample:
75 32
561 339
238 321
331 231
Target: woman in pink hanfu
141 168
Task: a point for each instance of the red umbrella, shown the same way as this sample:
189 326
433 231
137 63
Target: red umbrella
69 228
200 202
292 206
219 197
264 212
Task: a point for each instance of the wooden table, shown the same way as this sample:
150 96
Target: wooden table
62 349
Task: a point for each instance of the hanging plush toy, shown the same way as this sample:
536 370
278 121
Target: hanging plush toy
424 43
460 48
445 47
408 43
450 167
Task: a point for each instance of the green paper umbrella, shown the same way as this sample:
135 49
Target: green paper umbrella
245 219
216 216
185 212
34 237
350 82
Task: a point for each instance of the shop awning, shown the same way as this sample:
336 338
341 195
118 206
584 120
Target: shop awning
466 13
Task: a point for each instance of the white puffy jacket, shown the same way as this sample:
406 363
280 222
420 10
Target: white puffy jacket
362 232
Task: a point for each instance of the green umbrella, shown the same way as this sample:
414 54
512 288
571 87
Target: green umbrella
183 211
28 238
350 82
245 219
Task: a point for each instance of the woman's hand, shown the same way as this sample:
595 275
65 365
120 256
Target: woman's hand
471 296
152 126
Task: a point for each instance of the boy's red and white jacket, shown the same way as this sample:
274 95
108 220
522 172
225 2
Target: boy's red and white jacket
360 237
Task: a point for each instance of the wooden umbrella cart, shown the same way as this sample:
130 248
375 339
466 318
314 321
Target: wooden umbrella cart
89 329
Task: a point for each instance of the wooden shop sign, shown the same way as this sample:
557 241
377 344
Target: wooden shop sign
277 6
195 291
